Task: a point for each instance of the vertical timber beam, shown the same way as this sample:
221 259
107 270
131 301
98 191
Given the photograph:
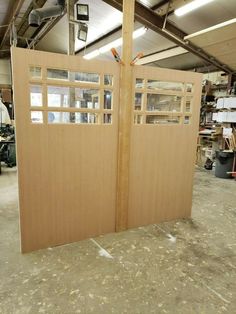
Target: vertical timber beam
71 52
125 114
70 13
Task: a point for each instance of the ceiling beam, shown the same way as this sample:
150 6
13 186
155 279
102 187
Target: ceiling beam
160 4
43 29
13 15
155 22
118 28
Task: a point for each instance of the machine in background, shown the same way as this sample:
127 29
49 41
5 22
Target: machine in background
7 138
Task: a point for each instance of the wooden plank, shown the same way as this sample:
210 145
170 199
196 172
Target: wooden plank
229 58
162 159
67 172
215 34
125 112
225 46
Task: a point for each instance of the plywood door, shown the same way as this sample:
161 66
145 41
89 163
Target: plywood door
163 144
66 170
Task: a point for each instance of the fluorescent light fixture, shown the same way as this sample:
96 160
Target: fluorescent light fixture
114 44
139 32
172 52
212 28
191 6
92 54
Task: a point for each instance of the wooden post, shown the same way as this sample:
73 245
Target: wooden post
125 117
71 51
70 13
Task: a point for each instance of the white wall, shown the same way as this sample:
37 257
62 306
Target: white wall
5 71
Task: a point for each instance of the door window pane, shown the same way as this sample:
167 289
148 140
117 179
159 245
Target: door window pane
160 85
35 72
87 98
189 87
139 83
86 117
58 96
137 119
36 116
108 79
107 118
157 102
36 95
138 101
84 77
59 117
107 99
162 119
188 104
57 74
186 120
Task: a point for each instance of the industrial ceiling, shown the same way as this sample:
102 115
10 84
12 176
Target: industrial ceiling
105 26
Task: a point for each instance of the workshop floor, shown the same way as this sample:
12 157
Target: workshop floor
185 266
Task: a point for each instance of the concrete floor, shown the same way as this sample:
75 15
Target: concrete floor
185 266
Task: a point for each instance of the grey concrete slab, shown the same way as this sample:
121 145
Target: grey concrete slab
184 266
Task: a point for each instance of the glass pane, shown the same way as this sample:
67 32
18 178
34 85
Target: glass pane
107 99
139 83
138 101
57 74
137 119
172 86
108 79
188 104
186 120
36 95
157 102
189 87
59 117
36 116
86 117
86 98
107 118
84 77
162 120
58 96
35 72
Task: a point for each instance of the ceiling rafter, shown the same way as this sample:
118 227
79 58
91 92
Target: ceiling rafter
118 28
152 20
13 15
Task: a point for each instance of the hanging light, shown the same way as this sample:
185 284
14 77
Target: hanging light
82 31
82 12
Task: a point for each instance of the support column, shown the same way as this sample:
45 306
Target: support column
125 117
70 13
71 52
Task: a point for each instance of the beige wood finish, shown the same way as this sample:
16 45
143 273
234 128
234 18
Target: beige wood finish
219 41
162 158
67 172
125 114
